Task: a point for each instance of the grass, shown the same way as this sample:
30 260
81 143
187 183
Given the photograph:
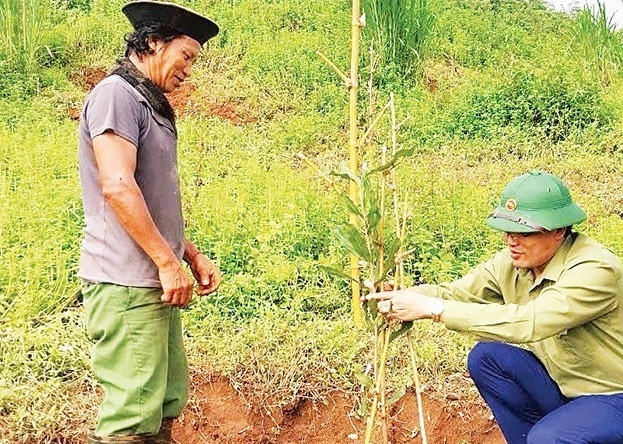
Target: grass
21 32
266 217
400 33
595 36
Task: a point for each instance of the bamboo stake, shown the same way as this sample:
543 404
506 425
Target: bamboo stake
374 123
383 394
380 378
346 80
401 226
352 84
353 151
381 267
418 389
370 89
399 274
314 167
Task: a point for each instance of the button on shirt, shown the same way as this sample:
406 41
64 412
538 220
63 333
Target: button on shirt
570 317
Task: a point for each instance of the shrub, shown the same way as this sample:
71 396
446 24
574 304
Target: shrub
479 34
550 104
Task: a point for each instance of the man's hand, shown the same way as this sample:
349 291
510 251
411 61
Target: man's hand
208 276
404 305
177 286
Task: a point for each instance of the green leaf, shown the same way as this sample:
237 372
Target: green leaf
390 260
399 154
399 393
363 408
404 328
345 172
364 379
371 307
371 201
374 217
353 241
391 249
336 272
350 205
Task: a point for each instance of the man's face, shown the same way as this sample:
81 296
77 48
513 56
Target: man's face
532 251
172 62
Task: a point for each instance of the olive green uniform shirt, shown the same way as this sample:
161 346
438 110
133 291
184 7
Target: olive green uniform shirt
570 317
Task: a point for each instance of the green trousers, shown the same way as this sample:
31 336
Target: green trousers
138 357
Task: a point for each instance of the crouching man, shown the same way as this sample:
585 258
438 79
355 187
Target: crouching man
556 292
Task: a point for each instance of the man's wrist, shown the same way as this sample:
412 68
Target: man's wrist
190 258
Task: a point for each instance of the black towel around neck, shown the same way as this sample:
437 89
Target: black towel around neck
148 89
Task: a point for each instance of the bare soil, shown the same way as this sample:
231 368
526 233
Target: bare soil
219 414
182 100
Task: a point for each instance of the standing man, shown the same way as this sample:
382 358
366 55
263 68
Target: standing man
134 239
557 292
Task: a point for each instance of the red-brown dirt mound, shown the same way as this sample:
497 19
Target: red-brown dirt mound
218 414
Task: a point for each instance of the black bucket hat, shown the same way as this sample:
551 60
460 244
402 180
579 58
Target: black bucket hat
177 17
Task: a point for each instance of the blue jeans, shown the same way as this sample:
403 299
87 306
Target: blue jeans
529 407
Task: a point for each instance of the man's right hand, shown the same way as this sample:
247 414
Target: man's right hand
177 285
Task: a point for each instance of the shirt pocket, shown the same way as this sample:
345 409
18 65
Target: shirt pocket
575 353
162 121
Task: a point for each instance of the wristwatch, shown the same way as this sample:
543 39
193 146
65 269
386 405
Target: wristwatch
437 310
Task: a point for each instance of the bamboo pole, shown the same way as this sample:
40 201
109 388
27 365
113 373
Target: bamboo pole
353 151
418 389
379 383
381 249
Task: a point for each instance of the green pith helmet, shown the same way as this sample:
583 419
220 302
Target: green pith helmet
535 201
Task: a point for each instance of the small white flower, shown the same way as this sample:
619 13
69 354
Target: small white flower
66 348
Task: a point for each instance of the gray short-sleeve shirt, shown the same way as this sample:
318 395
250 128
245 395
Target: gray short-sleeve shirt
108 253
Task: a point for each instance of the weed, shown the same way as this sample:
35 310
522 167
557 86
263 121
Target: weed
547 104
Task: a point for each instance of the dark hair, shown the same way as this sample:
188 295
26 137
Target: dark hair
137 42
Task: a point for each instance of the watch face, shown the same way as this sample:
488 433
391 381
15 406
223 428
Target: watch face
438 308
437 311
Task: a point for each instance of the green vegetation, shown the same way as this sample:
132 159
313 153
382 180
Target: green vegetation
400 32
502 87
594 34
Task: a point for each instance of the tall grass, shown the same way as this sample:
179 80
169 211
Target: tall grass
400 30
22 24
598 40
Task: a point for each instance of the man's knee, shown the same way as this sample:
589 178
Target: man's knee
548 434
481 353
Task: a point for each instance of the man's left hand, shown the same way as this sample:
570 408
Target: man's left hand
207 274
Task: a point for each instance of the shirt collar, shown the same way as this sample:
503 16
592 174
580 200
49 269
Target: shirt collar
556 264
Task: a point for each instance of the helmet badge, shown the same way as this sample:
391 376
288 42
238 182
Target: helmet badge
511 205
